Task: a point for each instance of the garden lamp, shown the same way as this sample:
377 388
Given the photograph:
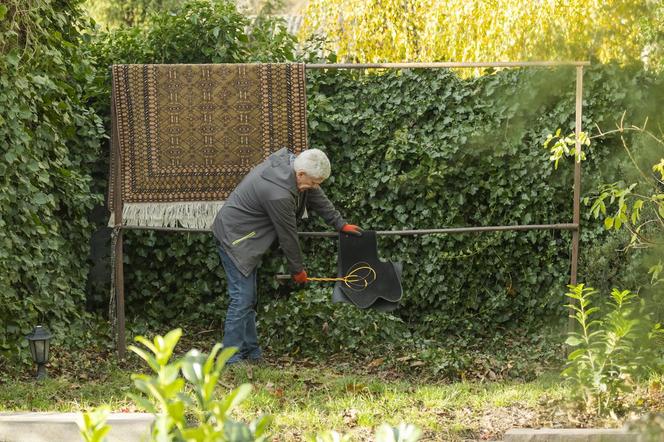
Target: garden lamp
39 343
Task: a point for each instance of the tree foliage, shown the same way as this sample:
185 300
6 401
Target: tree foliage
479 30
114 14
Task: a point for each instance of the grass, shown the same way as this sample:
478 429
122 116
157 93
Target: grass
65 394
307 401
307 398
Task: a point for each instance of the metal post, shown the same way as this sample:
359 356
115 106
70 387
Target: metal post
574 226
119 295
455 230
577 183
117 221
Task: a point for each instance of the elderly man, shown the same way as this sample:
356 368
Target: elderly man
262 208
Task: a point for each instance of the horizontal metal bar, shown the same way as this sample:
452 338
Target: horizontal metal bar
479 64
441 64
456 230
449 230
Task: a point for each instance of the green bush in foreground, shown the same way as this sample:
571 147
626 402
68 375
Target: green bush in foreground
612 353
185 389
615 350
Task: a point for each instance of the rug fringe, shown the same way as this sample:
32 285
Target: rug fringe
192 215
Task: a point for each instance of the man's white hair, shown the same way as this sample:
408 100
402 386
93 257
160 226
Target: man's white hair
314 163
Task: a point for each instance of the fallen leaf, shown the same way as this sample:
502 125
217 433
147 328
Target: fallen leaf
376 362
350 417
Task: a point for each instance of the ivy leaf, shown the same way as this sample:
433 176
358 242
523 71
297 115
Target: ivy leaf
13 58
40 199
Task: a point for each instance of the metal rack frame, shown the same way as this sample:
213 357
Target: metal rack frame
574 226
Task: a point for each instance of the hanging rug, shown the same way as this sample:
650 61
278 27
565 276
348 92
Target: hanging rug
187 134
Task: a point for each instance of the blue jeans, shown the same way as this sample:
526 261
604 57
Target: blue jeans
240 324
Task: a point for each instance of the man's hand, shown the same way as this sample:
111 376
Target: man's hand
352 229
301 277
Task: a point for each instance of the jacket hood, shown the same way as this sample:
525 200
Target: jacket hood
280 171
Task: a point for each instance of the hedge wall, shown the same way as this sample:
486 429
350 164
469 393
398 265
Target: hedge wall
50 140
410 149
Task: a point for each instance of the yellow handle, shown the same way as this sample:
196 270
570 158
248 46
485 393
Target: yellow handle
354 279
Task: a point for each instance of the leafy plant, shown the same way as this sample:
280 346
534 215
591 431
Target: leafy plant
637 207
620 194
565 146
167 397
184 390
93 426
402 433
611 352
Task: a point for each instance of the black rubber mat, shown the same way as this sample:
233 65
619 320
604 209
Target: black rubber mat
381 294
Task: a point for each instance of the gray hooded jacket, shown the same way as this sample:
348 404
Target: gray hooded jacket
264 206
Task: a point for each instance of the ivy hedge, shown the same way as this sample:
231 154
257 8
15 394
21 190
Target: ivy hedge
422 149
410 149
50 138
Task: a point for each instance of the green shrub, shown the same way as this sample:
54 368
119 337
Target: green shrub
423 148
50 142
306 323
181 390
612 352
182 396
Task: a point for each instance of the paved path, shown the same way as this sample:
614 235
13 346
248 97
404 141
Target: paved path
62 427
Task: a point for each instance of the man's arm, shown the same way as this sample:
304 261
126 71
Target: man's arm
282 215
318 202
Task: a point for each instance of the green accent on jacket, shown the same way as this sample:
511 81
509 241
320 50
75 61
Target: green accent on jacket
247 236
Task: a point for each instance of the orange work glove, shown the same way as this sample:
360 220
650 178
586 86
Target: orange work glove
301 277
352 229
